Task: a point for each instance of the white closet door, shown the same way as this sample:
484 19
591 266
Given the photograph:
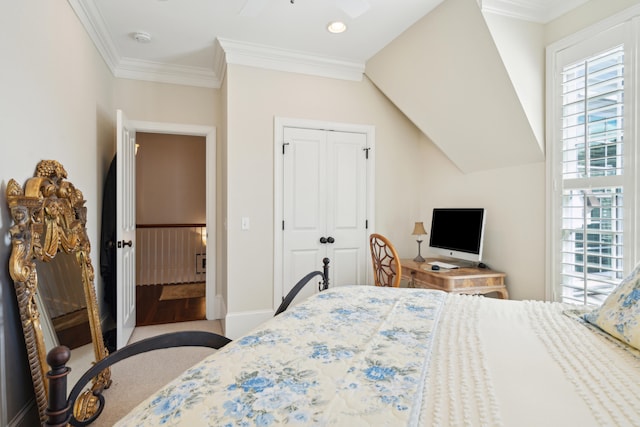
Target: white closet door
346 202
324 196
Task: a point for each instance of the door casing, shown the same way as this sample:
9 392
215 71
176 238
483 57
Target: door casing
214 305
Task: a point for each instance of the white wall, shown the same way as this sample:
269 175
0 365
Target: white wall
56 103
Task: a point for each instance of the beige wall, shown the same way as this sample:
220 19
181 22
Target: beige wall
56 103
511 189
521 48
583 16
514 199
255 97
221 202
170 179
166 103
446 74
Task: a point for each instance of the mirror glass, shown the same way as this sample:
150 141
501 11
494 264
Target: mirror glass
63 311
53 277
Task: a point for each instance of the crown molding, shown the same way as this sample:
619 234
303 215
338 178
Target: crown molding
219 61
128 68
528 10
261 56
225 51
136 69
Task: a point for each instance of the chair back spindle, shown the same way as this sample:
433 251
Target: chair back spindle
387 270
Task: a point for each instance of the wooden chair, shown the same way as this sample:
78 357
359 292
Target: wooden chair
387 270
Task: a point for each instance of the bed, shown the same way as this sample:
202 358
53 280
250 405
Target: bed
357 356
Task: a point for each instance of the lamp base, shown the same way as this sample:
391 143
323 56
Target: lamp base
419 257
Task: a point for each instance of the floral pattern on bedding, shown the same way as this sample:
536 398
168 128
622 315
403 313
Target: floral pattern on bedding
365 364
619 314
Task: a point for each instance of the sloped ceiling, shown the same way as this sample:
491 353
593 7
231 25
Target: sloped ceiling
446 75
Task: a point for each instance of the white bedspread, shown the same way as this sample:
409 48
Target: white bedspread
381 356
525 363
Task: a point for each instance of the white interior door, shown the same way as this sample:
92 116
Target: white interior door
304 219
346 207
324 206
126 229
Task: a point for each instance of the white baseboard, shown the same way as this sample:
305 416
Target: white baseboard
220 309
238 324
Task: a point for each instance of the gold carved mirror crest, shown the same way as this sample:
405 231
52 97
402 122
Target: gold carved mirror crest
53 276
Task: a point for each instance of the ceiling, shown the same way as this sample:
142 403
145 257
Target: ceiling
191 40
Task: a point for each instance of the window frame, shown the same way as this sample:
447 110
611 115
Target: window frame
622 27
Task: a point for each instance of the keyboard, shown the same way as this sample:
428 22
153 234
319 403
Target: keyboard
443 265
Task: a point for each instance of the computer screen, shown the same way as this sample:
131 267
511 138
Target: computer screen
458 232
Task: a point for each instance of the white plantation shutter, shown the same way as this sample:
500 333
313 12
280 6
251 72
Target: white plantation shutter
593 159
592 179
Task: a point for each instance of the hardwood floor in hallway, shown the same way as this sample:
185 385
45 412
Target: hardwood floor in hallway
150 310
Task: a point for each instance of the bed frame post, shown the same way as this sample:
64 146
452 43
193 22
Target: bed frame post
325 275
57 412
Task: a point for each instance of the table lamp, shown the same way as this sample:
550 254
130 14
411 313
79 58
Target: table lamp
418 230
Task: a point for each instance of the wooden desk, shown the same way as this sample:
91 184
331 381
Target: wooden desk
460 280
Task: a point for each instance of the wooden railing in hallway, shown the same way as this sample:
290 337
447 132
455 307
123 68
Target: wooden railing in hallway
170 253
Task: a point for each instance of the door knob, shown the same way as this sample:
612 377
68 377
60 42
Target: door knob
323 240
122 243
330 239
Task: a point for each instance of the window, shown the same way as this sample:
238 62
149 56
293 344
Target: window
591 146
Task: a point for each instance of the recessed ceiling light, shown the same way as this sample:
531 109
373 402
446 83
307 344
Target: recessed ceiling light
337 27
141 37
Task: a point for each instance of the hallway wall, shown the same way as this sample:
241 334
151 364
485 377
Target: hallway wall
170 179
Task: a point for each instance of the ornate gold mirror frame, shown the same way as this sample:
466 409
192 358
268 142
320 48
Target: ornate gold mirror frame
50 217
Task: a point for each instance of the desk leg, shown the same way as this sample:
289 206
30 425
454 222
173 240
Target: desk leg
503 294
412 282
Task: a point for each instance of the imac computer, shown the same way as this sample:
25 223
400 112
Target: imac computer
457 233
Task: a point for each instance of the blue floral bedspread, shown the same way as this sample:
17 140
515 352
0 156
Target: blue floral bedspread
351 355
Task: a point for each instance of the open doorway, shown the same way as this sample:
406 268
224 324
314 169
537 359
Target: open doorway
171 228
119 209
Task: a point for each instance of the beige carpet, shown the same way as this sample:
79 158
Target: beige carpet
185 290
136 378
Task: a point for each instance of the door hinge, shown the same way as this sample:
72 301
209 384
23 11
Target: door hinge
366 152
284 144
283 224
366 224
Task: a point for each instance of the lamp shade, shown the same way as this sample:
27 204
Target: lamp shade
418 229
